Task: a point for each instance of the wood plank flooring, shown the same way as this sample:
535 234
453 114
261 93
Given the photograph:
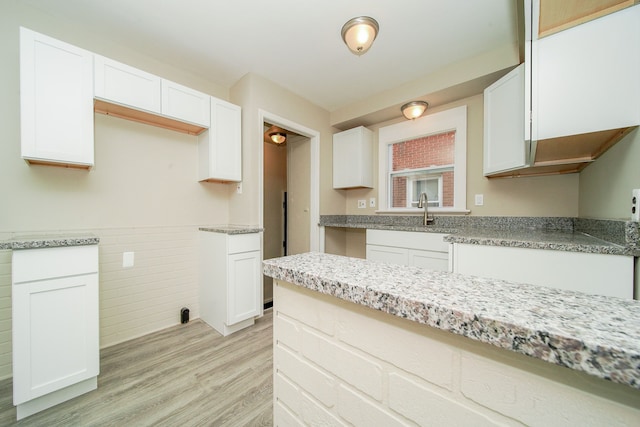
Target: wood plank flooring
187 375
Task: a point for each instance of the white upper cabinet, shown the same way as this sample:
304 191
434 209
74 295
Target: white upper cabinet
505 118
125 85
220 147
186 104
133 94
353 158
56 101
61 86
581 92
587 77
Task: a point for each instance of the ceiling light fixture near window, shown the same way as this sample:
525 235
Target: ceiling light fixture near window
359 33
278 137
414 109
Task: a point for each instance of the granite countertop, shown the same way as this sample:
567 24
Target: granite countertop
558 240
49 241
614 237
594 334
232 229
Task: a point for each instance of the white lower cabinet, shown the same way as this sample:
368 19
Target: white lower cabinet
55 326
230 280
609 275
417 249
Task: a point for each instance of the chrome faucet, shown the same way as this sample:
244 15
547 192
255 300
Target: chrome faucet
423 202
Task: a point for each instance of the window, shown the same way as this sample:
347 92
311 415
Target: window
430 185
426 155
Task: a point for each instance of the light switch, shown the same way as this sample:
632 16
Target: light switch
127 259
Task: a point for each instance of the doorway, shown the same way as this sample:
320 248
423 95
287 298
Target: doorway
290 192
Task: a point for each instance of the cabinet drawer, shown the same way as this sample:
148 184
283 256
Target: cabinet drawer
244 243
408 239
47 263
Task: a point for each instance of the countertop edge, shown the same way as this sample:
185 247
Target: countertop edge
231 229
40 242
466 236
593 357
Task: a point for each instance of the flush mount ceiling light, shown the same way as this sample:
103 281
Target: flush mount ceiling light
414 109
359 33
278 137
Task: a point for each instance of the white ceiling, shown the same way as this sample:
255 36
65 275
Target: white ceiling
297 43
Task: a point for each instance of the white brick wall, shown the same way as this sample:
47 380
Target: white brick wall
133 301
338 363
5 314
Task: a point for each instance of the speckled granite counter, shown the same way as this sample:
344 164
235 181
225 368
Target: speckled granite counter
553 233
232 229
50 241
538 239
594 334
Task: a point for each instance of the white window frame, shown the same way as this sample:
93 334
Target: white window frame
424 177
432 124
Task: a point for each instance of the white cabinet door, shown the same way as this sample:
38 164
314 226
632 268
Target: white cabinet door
125 85
230 280
610 275
56 101
388 254
416 249
505 119
243 292
587 77
55 319
353 158
429 259
55 340
220 147
185 104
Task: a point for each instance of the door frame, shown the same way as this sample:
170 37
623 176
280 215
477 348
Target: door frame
315 241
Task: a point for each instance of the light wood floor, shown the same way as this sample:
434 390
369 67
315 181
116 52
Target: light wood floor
187 375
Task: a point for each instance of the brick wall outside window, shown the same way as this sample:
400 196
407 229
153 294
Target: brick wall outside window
432 150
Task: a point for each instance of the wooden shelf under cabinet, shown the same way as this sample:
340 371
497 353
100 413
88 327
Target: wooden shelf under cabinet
127 113
568 154
557 15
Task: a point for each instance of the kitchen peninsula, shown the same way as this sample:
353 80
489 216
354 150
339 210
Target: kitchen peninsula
372 343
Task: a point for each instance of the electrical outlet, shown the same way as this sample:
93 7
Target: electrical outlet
635 205
372 202
362 204
239 188
479 199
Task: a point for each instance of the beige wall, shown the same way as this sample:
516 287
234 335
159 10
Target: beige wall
141 196
539 196
142 175
255 93
606 184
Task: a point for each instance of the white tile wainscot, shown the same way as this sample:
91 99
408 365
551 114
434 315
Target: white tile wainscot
337 362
